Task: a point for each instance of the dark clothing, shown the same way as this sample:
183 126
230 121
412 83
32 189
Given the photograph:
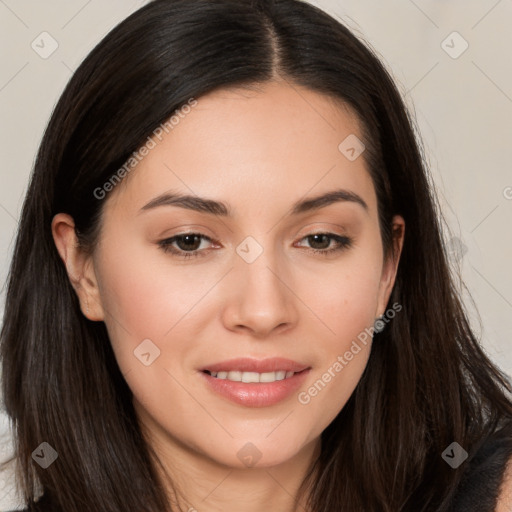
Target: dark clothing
480 486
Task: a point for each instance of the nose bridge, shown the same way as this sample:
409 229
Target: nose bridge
259 266
262 300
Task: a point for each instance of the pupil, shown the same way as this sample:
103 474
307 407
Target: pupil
325 237
187 243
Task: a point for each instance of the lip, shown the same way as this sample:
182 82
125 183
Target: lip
261 394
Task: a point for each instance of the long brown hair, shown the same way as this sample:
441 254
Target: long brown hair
427 383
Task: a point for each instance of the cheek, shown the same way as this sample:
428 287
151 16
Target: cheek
331 386
342 356
347 306
145 297
348 296
150 314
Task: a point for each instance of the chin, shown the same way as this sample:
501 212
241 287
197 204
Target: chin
258 453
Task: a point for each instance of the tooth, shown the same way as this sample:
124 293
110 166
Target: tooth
268 377
236 376
250 377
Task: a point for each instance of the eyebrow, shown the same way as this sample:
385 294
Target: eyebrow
204 205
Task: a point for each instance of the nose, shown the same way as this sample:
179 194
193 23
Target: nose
261 297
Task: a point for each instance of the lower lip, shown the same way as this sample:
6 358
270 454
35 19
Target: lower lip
254 394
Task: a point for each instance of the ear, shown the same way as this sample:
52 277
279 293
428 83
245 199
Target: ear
79 266
390 267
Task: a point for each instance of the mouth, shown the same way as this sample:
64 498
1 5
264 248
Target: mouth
255 383
251 377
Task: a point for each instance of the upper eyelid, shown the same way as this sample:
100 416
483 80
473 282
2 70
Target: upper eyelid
348 225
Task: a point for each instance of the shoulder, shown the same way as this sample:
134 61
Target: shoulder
486 484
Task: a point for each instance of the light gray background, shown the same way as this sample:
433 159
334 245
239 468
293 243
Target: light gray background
462 107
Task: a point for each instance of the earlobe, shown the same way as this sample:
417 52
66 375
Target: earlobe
78 265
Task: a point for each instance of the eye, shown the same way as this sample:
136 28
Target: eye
188 245
324 241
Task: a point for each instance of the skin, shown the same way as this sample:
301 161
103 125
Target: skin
259 151
504 502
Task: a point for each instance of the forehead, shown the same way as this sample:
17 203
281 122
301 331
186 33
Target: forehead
279 138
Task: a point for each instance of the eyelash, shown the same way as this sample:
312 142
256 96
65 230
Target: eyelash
343 242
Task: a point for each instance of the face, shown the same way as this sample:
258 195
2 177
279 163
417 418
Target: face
262 284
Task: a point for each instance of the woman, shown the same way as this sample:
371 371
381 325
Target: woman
229 289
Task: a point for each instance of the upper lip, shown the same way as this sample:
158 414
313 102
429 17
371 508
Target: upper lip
245 364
